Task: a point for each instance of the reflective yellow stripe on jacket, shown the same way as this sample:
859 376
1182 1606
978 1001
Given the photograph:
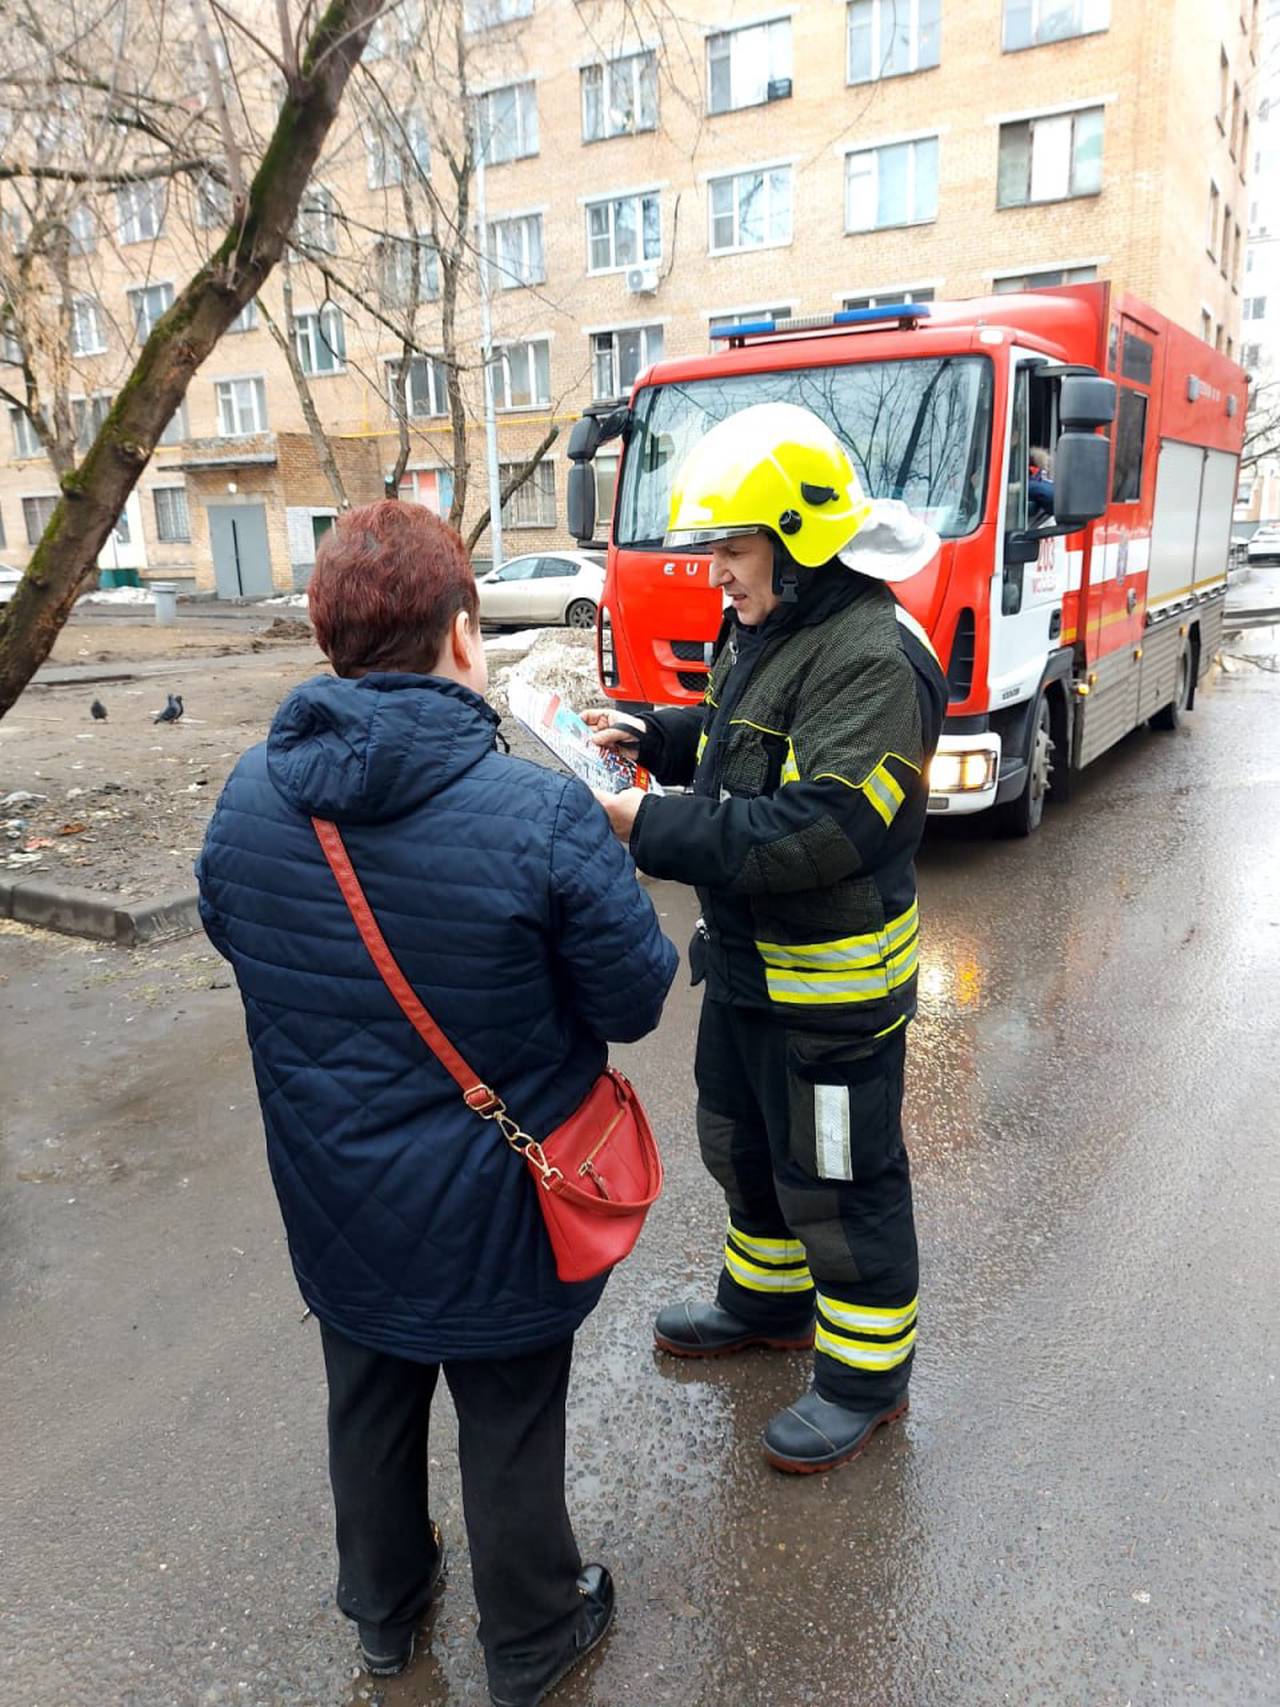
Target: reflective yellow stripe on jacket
865 1336
847 969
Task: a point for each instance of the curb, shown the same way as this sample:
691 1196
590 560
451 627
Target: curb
105 918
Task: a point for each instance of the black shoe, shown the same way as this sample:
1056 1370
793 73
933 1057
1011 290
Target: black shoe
814 1434
707 1330
526 1686
385 1653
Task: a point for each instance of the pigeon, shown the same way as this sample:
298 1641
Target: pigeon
99 711
172 711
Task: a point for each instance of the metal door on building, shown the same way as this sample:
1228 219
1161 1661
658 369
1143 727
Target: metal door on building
241 556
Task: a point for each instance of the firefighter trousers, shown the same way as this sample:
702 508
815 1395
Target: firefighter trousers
804 1136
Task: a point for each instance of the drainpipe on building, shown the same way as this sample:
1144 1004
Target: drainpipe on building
486 344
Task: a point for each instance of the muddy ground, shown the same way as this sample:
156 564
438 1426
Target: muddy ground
121 805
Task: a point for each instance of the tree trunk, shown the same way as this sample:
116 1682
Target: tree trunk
94 494
310 414
514 481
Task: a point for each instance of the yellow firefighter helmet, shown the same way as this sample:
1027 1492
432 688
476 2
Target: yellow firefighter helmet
774 466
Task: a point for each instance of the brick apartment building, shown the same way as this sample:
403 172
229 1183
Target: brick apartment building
642 187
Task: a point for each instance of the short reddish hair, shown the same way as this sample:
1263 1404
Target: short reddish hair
389 580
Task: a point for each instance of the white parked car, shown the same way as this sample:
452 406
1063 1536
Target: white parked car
9 579
559 587
1264 547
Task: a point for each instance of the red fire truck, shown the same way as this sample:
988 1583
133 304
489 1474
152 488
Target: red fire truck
1064 617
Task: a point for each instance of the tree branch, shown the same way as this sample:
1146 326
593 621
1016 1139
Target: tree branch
514 481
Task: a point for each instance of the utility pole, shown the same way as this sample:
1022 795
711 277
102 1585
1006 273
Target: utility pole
486 348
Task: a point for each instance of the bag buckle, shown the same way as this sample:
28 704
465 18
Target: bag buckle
484 1102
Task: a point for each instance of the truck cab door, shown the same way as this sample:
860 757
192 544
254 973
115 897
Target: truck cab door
1030 580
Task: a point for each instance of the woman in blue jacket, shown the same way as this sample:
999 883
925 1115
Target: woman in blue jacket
414 1231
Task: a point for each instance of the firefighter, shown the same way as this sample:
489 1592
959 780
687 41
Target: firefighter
806 774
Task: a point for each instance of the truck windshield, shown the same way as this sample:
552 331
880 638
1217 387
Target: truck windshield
917 430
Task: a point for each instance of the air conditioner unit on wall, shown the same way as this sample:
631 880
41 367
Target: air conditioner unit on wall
642 281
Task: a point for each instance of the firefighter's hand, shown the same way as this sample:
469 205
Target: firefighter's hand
620 810
606 733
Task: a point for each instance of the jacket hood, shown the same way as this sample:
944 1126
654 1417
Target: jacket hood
377 747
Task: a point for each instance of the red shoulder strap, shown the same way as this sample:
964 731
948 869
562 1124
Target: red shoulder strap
475 1092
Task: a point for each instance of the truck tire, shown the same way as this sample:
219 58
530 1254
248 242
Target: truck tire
1021 816
1169 716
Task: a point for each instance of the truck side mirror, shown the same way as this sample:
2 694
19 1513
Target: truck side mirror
1086 401
1081 469
581 499
584 440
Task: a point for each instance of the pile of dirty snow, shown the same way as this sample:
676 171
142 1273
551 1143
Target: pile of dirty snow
118 596
520 641
295 600
562 660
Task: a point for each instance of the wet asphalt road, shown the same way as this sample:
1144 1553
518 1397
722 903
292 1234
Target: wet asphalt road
1082 1506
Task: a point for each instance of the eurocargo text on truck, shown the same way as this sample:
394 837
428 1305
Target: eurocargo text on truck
1060 628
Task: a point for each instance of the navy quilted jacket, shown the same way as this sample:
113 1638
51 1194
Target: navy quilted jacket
519 921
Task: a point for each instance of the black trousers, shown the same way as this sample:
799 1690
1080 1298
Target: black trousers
511 1452
804 1134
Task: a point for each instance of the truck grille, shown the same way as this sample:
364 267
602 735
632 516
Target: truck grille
693 650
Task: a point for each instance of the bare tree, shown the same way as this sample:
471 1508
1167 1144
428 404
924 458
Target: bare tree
313 61
1262 424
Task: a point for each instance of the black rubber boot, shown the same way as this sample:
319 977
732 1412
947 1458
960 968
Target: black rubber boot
386 1652
527 1685
815 1434
707 1330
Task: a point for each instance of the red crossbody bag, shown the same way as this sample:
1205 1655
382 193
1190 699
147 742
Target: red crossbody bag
598 1173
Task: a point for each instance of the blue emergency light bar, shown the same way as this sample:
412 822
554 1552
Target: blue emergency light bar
897 312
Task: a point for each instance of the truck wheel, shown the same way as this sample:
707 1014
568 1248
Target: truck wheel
1170 716
1021 817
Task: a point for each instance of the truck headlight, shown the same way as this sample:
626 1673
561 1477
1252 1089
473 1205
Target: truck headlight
961 773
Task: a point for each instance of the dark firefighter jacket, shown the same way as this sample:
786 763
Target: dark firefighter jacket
808 764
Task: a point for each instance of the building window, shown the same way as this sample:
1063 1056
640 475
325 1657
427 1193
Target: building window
1131 436
488 14
1234 134
620 97
408 271
1224 84
888 299
87 416
26 441
508 119
141 209
747 67
247 319
1043 279
1028 23
1206 325
1244 144
889 38
1049 159
617 358
37 514
175 428
748 317
242 407
148 303
316 225
389 143
1225 268
83 227
87 335
516 252
751 210
534 504
426 392
897 185
1211 241
213 203
1255 308
1249 354
173 522
3 541
522 375
620 233
321 340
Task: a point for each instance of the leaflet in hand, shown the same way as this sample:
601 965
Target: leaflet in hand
563 732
